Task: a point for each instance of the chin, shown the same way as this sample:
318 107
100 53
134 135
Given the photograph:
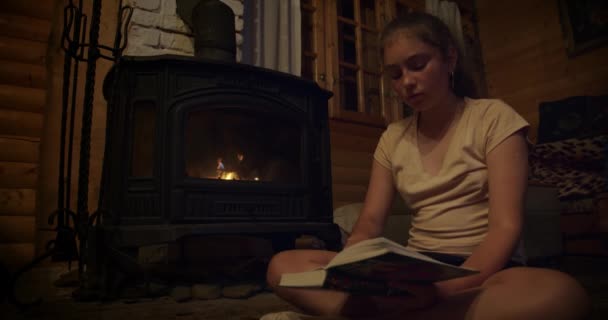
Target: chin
420 106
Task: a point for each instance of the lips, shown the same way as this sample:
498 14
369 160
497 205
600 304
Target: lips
414 97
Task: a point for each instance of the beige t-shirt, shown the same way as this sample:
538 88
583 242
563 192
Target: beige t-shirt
450 208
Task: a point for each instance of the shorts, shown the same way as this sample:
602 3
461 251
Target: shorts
459 260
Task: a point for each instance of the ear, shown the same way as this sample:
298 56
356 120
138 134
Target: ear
452 58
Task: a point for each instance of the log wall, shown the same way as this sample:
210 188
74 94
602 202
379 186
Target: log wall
524 54
352 148
24 31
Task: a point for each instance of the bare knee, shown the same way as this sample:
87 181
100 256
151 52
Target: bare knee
295 261
545 293
565 293
277 266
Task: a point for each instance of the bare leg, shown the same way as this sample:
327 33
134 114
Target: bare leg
314 302
516 293
311 301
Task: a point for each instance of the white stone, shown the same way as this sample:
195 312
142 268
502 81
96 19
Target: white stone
149 5
239 54
166 39
177 42
244 290
175 52
181 293
145 18
206 291
169 7
236 6
238 24
138 49
174 23
146 36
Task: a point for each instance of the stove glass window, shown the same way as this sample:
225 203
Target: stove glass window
240 144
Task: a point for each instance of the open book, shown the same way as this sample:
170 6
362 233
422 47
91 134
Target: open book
368 266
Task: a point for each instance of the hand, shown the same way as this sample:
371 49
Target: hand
353 239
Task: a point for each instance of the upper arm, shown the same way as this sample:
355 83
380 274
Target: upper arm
507 180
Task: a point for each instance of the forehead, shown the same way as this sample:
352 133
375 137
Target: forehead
402 45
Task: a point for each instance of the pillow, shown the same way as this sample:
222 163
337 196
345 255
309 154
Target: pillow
584 151
573 117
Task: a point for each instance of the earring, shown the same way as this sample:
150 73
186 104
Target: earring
452 79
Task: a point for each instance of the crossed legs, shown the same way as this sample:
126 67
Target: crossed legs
517 293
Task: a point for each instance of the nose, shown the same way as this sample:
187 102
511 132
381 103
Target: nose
407 79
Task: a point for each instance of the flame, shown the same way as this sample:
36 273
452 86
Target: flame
224 174
229 175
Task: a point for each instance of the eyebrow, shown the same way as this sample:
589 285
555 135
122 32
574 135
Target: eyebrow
406 60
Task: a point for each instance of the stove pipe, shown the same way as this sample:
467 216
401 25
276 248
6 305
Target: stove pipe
214 31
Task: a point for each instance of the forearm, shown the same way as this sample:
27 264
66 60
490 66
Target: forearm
489 257
378 201
367 227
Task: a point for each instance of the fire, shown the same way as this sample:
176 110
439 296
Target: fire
224 173
229 175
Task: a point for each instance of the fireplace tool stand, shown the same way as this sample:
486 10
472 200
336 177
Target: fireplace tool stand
71 226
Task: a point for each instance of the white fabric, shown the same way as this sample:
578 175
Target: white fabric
449 13
277 35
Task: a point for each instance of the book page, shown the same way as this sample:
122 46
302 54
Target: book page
376 247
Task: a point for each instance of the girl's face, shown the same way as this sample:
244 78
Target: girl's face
418 72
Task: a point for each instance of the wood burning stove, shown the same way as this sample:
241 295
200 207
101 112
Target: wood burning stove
209 147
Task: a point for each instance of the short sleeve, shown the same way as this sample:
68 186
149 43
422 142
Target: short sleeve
383 151
501 121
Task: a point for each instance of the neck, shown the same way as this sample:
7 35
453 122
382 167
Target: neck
437 119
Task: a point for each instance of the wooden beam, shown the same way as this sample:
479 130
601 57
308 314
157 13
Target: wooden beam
338 204
17 229
18 202
20 50
352 176
19 149
348 193
22 74
33 8
15 255
24 27
354 129
18 175
22 99
351 159
18 123
352 143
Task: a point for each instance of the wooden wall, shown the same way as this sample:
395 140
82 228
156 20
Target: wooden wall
525 56
23 85
352 148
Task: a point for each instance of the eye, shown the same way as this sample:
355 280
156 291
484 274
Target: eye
418 62
394 72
